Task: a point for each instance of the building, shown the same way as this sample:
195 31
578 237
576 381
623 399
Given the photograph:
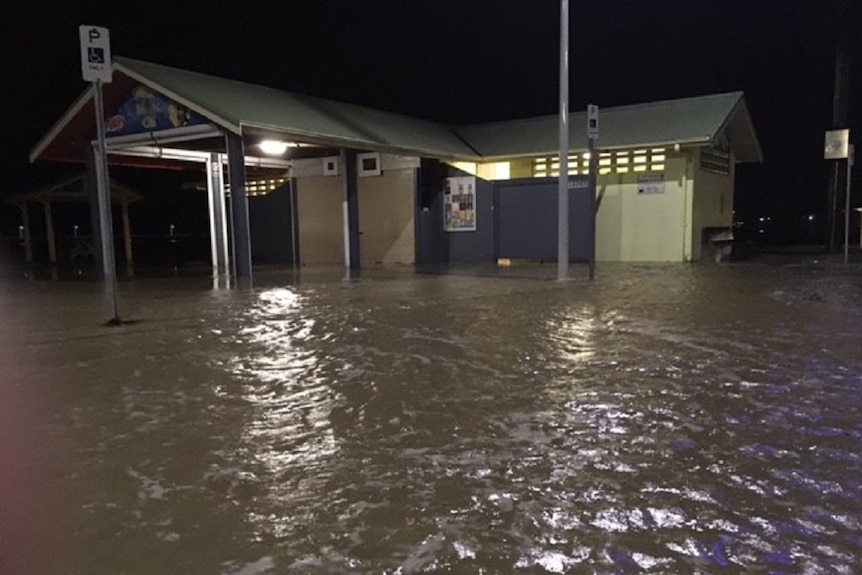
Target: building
356 186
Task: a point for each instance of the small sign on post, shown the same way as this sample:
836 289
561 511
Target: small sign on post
592 121
95 53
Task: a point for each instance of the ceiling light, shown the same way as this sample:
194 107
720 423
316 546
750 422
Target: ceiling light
273 147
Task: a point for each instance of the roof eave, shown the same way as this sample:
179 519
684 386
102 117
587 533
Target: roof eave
354 143
699 141
190 104
737 114
61 124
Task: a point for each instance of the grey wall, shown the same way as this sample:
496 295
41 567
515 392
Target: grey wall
432 248
474 247
515 219
526 214
438 246
272 230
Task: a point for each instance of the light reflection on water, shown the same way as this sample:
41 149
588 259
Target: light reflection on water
649 422
290 400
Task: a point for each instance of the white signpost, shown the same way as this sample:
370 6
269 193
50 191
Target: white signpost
95 53
838 147
96 68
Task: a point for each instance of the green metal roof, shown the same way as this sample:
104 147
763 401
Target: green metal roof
233 104
697 120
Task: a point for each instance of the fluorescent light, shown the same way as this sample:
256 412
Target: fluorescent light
273 147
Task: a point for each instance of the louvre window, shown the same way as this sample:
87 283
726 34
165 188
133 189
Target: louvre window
715 161
623 162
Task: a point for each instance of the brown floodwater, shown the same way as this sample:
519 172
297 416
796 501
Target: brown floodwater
661 419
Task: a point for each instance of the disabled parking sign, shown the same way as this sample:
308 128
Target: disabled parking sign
95 53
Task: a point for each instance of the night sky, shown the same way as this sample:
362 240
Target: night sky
463 61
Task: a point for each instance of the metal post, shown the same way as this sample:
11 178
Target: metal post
104 195
594 164
218 222
28 242
840 115
49 230
239 208
351 211
127 240
563 183
847 206
93 201
294 231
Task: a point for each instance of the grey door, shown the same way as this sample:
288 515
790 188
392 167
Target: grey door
526 219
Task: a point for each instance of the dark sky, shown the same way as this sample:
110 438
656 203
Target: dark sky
469 60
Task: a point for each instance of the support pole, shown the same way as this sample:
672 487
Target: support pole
49 231
93 199
840 116
563 184
127 240
351 211
106 225
294 220
25 225
594 165
239 207
847 207
218 222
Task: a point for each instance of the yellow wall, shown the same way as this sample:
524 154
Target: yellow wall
494 170
320 209
713 203
643 227
386 218
522 168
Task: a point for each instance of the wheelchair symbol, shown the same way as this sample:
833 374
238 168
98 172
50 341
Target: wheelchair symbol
95 55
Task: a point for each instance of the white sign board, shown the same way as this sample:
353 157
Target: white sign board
837 144
95 53
592 121
651 184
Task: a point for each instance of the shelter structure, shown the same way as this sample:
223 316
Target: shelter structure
74 189
313 181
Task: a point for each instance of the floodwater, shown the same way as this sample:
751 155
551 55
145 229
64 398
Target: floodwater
661 419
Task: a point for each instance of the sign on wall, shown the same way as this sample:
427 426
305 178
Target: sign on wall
459 204
651 184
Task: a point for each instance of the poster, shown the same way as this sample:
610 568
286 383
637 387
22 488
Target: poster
459 204
147 111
